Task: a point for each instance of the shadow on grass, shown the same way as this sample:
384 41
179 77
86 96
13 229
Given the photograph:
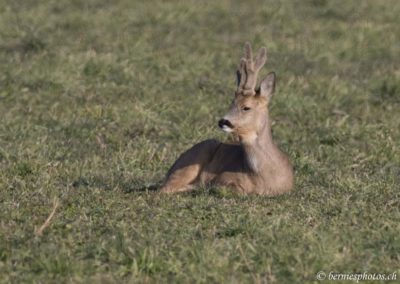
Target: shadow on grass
142 188
131 186
209 192
137 186
124 185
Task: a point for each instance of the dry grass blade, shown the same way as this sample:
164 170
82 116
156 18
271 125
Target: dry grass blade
39 231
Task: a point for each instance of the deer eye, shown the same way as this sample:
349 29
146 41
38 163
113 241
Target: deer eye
246 108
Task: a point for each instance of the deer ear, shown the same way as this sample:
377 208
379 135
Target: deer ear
267 86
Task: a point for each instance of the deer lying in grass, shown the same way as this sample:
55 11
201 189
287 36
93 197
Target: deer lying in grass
255 165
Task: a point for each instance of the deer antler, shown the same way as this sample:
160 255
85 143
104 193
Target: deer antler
248 70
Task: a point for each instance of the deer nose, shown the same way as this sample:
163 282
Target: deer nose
224 122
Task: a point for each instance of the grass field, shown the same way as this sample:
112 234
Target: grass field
98 98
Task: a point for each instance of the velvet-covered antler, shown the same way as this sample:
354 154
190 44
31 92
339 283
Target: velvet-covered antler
248 70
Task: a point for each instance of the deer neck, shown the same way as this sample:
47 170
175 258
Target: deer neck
260 150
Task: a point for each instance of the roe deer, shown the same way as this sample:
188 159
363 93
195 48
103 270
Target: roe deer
255 165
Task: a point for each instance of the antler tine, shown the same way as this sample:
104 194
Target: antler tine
261 58
249 69
248 53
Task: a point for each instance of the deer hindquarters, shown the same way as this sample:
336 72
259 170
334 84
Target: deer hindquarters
185 171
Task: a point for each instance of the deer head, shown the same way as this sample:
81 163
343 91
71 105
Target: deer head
248 113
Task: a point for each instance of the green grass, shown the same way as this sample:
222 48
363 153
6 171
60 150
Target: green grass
98 98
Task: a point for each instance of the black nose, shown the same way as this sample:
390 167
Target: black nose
223 122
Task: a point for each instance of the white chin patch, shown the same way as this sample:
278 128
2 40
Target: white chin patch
227 128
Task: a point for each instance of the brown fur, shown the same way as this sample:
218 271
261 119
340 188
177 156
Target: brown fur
254 164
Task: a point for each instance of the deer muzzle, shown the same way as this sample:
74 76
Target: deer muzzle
225 125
